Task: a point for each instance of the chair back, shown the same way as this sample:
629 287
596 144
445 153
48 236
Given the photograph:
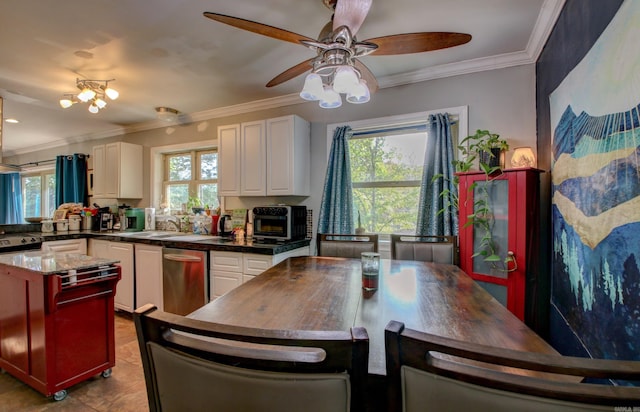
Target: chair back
439 249
192 365
348 246
423 377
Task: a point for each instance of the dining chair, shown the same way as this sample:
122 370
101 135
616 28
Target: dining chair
192 365
423 377
439 249
348 246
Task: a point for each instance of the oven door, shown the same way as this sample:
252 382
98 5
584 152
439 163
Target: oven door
271 227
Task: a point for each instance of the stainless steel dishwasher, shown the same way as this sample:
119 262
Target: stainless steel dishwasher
185 285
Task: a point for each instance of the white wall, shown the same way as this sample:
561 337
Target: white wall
502 101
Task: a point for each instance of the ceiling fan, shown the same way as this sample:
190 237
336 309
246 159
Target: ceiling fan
338 51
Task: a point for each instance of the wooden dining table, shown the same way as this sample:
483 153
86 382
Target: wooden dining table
324 293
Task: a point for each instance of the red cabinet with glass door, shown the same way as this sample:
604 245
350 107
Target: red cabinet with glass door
513 202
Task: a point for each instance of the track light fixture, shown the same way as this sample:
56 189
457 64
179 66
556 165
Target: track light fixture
93 92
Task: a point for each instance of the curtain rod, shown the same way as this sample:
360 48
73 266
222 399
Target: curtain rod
45 161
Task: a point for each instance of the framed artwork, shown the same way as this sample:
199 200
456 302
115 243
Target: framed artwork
59 214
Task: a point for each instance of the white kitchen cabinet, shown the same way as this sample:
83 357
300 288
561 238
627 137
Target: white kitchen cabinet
288 156
230 269
148 275
123 252
229 160
65 246
117 171
253 179
264 158
225 272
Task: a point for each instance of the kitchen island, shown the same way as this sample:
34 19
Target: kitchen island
56 318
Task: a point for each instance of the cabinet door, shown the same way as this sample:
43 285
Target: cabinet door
112 170
99 171
99 248
124 299
148 274
512 201
78 246
225 273
229 160
288 156
253 178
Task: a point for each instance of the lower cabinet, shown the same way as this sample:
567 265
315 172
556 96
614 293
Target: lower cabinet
124 299
229 270
66 246
148 275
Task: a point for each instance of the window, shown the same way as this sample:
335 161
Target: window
191 174
386 170
387 157
39 194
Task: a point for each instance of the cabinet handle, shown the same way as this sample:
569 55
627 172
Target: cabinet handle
182 258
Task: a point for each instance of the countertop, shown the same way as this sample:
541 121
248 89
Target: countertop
183 241
50 262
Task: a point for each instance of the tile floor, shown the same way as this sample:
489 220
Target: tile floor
124 391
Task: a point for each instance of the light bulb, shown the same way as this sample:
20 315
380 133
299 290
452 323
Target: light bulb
93 108
330 99
66 103
313 88
111 93
100 103
345 79
360 94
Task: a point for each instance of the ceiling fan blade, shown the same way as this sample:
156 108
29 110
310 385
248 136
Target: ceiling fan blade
258 28
372 83
351 13
292 72
417 42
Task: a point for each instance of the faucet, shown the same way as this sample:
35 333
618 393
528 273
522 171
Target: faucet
177 222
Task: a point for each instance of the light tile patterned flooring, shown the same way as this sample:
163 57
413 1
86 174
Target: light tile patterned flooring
124 391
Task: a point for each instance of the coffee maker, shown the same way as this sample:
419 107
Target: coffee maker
134 218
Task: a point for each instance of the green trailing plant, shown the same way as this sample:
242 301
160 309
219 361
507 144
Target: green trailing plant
476 149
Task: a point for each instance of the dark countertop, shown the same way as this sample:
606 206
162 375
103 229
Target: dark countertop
215 243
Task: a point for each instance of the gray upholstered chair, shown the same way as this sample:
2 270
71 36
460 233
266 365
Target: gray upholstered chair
348 246
192 365
421 379
439 249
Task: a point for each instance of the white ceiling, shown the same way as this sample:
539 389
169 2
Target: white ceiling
165 53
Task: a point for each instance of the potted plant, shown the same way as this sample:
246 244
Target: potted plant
485 149
195 205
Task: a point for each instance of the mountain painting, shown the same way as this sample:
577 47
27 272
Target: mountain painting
595 115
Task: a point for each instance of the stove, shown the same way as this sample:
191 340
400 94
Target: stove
19 241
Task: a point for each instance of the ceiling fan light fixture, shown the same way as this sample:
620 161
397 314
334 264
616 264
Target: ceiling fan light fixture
345 79
360 93
330 99
93 92
313 89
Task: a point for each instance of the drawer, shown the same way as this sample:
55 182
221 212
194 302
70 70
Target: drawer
226 261
256 264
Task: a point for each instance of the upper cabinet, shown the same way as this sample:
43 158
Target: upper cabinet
264 158
117 171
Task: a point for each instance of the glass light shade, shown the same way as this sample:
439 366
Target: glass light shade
86 94
111 93
360 94
330 99
93 108
345 79
523 157
313 88
100 103
66 103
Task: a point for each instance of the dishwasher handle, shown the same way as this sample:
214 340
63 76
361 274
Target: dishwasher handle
182 258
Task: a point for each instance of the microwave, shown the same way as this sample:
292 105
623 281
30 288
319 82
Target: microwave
280 222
